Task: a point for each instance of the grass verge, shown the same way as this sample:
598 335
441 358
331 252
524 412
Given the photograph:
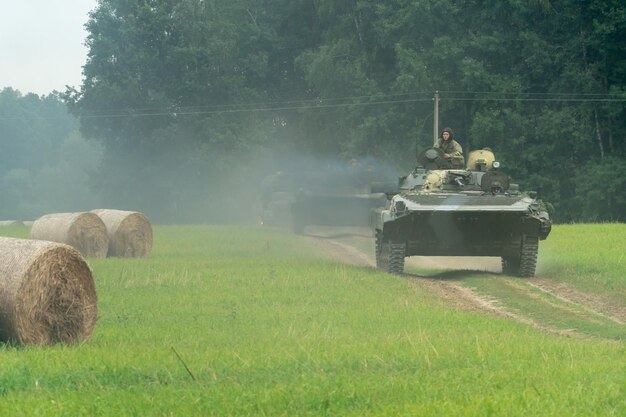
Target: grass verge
249 321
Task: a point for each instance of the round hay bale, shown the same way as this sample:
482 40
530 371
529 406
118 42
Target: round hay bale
83 231
130 232
47 293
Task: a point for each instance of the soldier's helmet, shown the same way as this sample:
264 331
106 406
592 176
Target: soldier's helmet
447 129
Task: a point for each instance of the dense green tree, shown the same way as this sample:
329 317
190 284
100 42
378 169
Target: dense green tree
177 91
600 190
45 164
491 60
31 129
173 89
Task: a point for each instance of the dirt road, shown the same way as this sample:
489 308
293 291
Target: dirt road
355 246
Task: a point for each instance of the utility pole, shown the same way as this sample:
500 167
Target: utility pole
436 118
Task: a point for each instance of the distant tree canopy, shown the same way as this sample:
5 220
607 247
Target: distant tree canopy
182 93
45 164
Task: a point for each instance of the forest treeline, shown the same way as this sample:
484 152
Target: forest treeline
45 163
194 101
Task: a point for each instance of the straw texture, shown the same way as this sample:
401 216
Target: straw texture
83 231
47 293
130 232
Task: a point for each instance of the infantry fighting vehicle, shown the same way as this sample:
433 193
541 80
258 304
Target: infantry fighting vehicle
447 208
337 196
333 209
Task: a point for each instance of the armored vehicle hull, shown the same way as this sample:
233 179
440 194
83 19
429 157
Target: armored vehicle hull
459 213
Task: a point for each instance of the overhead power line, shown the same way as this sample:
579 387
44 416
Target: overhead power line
343 102
287 103
255 109
562 100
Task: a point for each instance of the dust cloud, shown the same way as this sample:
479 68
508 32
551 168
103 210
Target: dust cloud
243 187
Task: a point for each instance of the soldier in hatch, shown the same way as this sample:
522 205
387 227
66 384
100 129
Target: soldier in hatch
452 150
448 145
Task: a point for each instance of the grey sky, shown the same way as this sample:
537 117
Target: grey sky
41 43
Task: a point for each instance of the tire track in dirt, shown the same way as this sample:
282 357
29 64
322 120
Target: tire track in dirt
453 292
589 302
464 298
341 252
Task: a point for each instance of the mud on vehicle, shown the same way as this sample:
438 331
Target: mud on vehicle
446 208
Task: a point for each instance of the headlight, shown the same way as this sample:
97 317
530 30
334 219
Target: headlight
400 207
496 164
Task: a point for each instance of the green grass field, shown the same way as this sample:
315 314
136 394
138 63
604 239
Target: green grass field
248 321
587 258
591 257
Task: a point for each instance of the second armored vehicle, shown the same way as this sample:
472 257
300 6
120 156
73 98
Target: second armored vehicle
337 194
